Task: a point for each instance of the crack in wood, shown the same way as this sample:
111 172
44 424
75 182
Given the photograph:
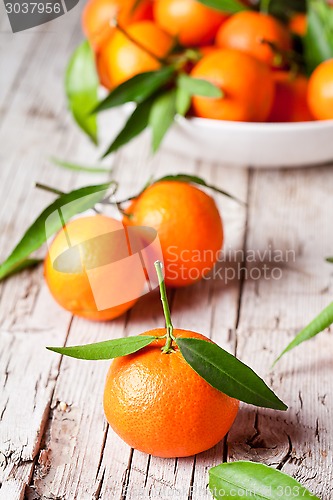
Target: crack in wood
4 409
317 433
102 450
147 470
100 485
48 410
244 247
252 439
190 491
288 455
126 478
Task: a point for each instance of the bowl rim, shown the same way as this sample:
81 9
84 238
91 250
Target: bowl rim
252 126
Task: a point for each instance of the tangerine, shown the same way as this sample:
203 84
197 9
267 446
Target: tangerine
159 405
138 51
188 224
320 91
298 24
247 85
77 273
250 31
98 15
190 21
290 104
103 74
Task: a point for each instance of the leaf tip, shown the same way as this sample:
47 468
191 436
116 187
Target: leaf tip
275 362
54 349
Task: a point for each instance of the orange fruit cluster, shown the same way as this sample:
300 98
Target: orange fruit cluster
79 268
245 54
154 400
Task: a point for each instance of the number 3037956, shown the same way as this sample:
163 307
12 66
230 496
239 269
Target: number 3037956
33 7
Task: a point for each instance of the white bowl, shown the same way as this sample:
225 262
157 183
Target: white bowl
253 144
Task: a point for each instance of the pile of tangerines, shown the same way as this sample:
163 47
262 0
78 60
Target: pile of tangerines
249 55
190 234
153 398
165 392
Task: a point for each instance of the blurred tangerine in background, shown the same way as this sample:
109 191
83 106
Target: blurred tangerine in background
137 51
250 31
298 24
98 15
290 103
190 21
320 92
247 85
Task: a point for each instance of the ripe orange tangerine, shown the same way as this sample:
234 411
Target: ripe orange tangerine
190 21
189 227
247 85
247 31
159 405
290 104
298 24
320 91
98 15
77 273
103 74
126 56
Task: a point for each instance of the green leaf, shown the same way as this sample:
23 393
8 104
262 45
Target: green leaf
162 116
64 207
318 41
106 350
227 374
197 86
231 6
25 264
80 168
81 83
329 259
197 180
256 481
137 89
183 101
320 323
136 124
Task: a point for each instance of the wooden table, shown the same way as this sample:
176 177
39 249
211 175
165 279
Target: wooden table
54 441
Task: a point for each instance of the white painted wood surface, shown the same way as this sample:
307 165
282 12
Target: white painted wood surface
54 442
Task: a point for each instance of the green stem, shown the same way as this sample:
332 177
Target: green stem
167 349
48 189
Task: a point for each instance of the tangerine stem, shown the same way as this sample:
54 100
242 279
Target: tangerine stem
167 349
49 189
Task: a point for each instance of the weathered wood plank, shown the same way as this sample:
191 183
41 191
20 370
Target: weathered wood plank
29 318
289 210
77 469
196 308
